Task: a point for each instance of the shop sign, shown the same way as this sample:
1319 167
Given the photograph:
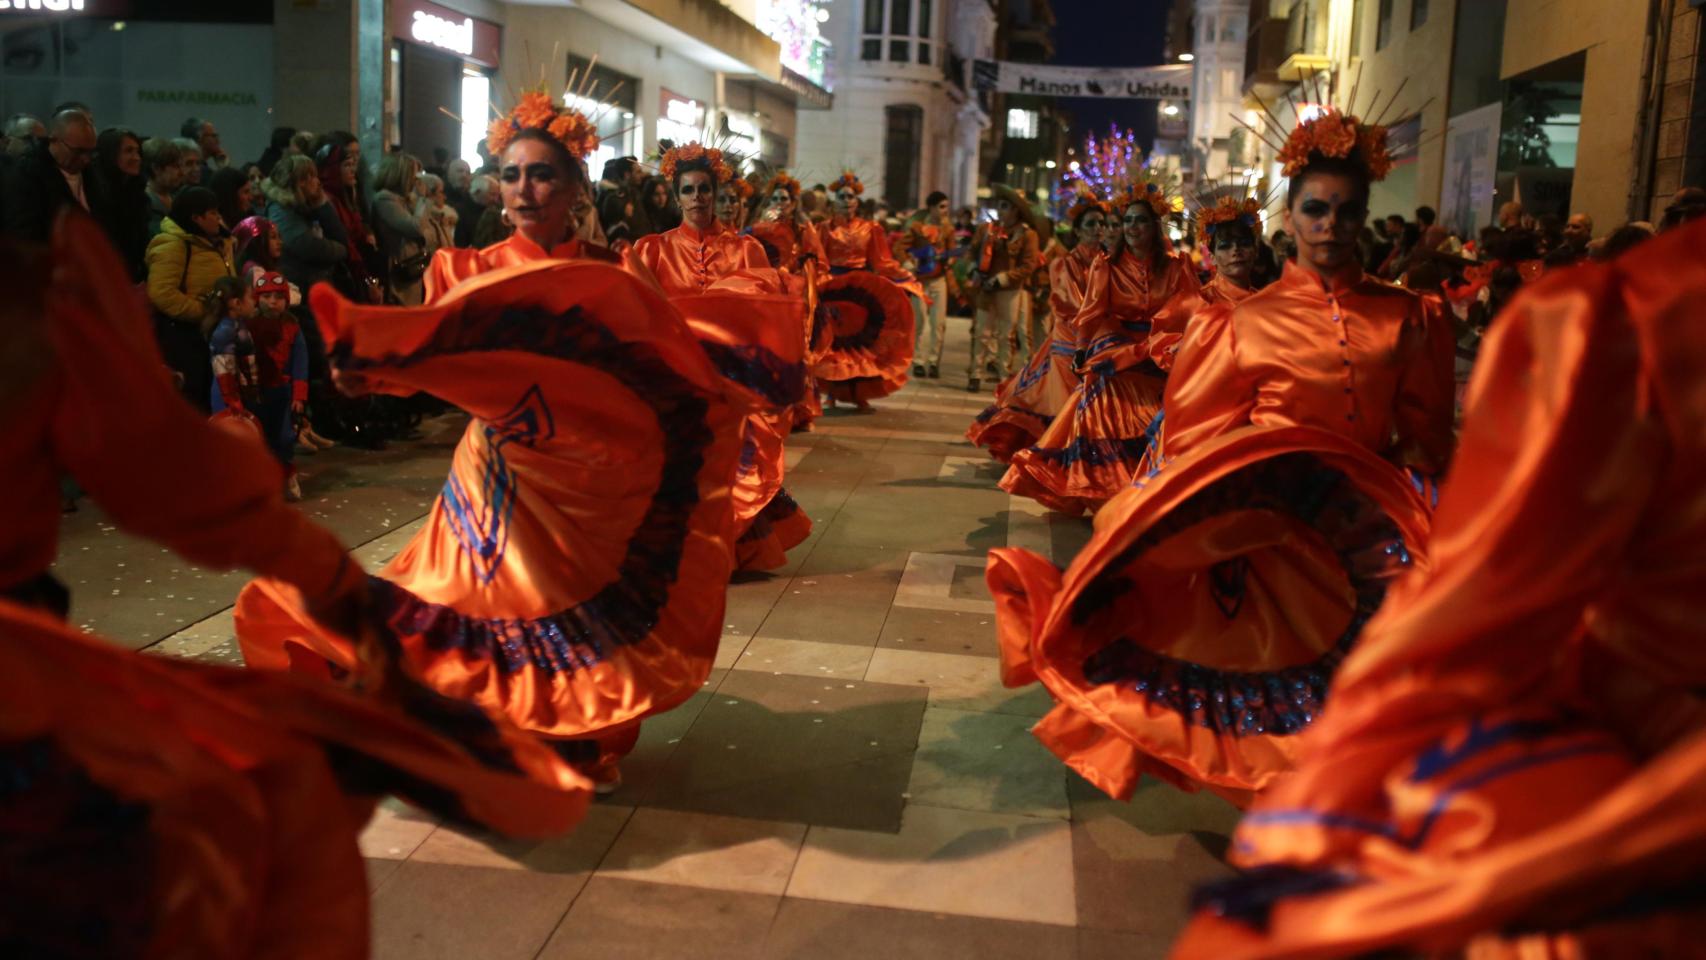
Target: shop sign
680 119
1170 82
42 6
445 29
206 98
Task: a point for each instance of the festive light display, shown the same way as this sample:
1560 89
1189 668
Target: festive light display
796 25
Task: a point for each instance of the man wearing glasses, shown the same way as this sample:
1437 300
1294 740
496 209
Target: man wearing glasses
50 176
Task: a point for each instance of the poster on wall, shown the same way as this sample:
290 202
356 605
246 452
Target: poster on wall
1471 170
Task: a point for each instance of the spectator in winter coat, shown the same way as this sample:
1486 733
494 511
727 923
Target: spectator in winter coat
191 252
402 243
435 214
49 177
314 239
236 197
206 137
121 202
189 161
482 196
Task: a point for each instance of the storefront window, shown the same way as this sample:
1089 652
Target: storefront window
909 24
476 94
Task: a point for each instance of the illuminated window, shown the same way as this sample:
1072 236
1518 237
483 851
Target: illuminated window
1022 124
476 93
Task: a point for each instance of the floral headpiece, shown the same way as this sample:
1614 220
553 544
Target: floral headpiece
1227 210
848 180
781 181
1336 134
537 111
744 189
692 152
1149 193
1085 201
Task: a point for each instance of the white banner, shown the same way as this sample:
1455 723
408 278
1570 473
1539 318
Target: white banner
1171 82
1471 169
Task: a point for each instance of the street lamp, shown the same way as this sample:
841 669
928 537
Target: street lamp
1049 164
1170 110
1187 57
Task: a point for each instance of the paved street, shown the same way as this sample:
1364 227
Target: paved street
852 780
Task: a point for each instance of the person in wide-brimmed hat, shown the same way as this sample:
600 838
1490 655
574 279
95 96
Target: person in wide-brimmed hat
1006 251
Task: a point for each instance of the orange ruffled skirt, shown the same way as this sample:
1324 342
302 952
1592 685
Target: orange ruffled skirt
871 352
768 523
571 575
1092 449
1195 636
1028 402
152 807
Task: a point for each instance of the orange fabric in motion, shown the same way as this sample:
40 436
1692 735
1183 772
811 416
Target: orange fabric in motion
1224 572
1520 741
1027 402
684 260
1359 357
1093 447
172 809
452 265
79 363
872 325
572 574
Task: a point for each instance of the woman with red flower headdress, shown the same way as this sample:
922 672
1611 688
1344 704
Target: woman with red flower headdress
792 241
1194 637
154 807
1026 403
1513 761
572 573
742 308
873 321
1092 450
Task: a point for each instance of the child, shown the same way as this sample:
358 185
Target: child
236 380
281 360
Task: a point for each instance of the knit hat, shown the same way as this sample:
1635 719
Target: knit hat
271 282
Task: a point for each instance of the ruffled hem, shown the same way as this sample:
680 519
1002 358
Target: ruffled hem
780 527
873 325
1005 430
862 388
1267 514
1087 457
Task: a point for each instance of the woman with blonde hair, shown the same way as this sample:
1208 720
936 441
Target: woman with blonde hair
436 216
402 242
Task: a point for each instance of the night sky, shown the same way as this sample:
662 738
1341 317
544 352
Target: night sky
1086 36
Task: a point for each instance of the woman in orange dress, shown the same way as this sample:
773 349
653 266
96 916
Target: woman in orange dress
1026 403
571 575
1513 762
723 279
1091 451
801 258
873 342
155 807
1195 636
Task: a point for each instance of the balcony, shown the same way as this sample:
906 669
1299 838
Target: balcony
1265 49
1305 41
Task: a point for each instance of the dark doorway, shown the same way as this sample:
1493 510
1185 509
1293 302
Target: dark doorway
430 80
903 143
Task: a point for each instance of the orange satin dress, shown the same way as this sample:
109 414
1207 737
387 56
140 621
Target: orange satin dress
1196 635
686 263
1092 449
873 340
452 265
796 250
1027 402
571 575
1513 761
154 807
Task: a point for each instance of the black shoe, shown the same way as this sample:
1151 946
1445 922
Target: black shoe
918 369
934 373
990 368
974 385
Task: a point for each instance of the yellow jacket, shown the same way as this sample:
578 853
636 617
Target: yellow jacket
181 270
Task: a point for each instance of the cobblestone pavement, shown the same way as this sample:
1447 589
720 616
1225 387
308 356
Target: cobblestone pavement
853 781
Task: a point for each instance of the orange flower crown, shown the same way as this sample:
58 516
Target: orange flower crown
1227 210
783 181
692 152
848 179
1149 193
537 111
1336 134
1086 201
744 189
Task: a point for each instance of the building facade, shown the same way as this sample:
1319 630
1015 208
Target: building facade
903 118
1027 145
1567 106
1213 41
